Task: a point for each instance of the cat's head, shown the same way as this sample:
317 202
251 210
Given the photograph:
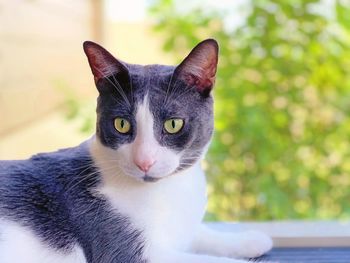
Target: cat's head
154 121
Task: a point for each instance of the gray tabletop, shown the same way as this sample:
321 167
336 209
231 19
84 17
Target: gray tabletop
307 255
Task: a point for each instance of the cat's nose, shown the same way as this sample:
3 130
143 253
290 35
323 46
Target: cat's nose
145 165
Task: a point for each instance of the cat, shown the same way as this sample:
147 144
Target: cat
134 192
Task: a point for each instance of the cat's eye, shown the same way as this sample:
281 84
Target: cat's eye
173 126
122 125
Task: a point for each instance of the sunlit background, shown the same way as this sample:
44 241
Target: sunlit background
282 144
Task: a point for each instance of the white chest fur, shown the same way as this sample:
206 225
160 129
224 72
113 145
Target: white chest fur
19 244
168 211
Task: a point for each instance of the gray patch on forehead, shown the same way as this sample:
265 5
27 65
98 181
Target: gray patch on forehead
152 79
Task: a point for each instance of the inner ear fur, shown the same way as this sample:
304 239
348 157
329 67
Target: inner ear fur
199 68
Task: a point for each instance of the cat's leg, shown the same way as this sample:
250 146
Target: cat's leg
247 244
20 244
172 256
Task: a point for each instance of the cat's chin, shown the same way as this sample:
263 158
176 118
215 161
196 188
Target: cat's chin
145 178
150 179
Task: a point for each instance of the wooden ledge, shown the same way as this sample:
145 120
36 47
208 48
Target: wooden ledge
297 233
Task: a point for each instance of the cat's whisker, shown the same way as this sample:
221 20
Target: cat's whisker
121 90
176 86
78 168
89 176
131 87
97 211
183 94
185 91
188 162
168 87
86 177
174 92
170 92
118 88
191 157
92 204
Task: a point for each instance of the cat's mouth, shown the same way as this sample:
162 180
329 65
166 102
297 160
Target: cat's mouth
150 179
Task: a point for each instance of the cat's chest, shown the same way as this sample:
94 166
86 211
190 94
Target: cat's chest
167 211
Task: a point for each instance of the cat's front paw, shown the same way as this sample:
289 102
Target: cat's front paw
252 244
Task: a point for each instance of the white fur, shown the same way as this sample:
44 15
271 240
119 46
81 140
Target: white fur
172 206
169 212
248 244
20 245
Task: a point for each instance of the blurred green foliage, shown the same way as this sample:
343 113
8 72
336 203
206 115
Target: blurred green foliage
282 142
76 109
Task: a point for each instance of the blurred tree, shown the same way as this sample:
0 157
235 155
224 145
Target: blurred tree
282 142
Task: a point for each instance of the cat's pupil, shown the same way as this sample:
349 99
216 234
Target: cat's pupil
173 124
122 124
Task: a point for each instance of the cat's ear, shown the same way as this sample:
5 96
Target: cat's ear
102 63
198 69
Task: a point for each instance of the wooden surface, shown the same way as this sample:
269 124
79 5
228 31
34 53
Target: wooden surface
307 255
298 234
300 242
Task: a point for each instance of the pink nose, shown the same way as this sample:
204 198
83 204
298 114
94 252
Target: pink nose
145 165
